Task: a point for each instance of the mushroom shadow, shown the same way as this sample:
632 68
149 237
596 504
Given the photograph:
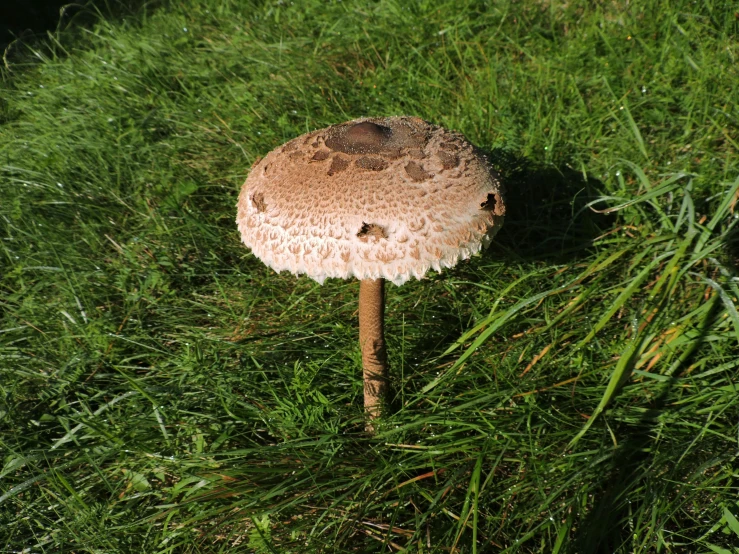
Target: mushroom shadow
547 213
547 219
732 249
25 21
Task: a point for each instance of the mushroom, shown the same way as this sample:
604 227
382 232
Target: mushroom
377 199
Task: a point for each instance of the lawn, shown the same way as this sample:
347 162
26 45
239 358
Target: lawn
571 390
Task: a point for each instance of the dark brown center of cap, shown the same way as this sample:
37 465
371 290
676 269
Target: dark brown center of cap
367 134
361 138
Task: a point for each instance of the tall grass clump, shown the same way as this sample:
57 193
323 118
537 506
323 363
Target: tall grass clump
574 389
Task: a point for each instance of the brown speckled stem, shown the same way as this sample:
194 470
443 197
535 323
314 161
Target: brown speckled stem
372 342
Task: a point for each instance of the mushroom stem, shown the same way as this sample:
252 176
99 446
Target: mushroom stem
372 342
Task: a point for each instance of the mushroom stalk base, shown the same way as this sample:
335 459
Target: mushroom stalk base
372 342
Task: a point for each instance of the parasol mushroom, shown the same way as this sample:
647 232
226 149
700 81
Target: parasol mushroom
377 199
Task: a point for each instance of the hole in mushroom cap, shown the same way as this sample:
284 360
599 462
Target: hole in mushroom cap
371 230
338 164
257 200
489 203
416 172
372 164
493 204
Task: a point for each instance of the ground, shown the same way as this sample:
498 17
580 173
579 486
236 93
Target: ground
573 389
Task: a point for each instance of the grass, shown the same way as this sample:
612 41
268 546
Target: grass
574 389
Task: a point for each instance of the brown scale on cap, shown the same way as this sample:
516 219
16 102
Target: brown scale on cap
258 200
338 164
376 197
372 164
416 172
448 160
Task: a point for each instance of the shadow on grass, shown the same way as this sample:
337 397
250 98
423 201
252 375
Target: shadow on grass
25 22
732 250
606 527
547 217
547 220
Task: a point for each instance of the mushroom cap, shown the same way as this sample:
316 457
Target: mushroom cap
374 197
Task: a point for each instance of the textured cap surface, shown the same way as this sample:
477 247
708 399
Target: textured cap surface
374 197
